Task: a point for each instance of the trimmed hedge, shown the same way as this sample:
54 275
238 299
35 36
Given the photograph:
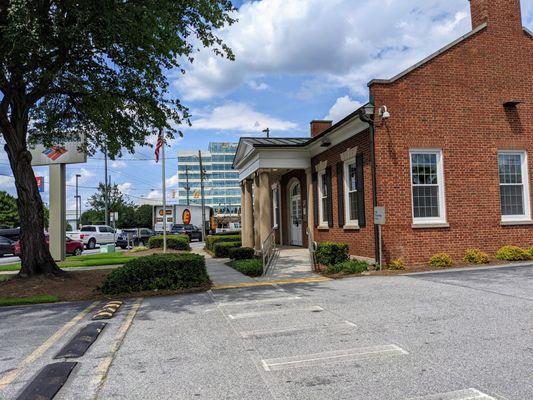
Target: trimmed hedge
513 253
158 272
347 267
241 253
251 267
174 242
329 253
221 250
475 256
440 260
211 240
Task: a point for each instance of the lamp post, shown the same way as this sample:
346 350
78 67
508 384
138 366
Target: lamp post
366 114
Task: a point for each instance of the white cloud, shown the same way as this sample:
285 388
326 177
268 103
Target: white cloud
118 164
7 181
173 180
85 176
258 86
124 187
154 195
342 107
240 117
342 42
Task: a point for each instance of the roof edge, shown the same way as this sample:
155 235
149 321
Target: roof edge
429 58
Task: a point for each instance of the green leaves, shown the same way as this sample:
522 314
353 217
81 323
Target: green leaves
9 217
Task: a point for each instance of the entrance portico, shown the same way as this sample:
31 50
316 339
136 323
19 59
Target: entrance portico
275 176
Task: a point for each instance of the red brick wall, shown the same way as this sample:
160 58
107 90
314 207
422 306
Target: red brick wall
285 181
455 103
361 241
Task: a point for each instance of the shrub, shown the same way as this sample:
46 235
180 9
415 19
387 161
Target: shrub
440 260
251 267
175 242
530 251
158 272
211 240
347 267
241 253
136 249
512 253
329 253
397 264
221 250
475 256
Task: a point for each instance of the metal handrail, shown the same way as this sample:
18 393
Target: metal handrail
268 248
312 245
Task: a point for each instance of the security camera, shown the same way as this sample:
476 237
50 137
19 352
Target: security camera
385 114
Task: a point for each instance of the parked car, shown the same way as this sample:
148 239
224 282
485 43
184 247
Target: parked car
92 235
10 233
73 247
190 230
137 237
224 227
6 246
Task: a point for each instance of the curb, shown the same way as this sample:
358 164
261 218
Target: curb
270 283
107 311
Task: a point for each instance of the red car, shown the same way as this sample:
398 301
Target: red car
74 247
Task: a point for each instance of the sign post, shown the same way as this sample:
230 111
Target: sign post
56 158
379 219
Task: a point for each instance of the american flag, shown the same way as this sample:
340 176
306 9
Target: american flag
159 144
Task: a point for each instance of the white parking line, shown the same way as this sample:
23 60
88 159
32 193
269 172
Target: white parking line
274 332
275 364
245 302
271 312
467 394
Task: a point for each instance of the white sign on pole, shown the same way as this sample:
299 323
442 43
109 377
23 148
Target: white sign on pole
379 215
66 153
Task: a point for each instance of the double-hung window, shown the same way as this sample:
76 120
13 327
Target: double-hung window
427 184
350 193
514 188
275 206
323 198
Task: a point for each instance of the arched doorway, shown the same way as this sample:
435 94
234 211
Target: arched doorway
295 214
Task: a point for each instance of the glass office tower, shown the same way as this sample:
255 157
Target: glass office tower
221 181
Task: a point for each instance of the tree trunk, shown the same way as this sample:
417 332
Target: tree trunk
36 258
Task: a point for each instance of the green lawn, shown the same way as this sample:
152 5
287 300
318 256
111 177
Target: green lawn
15 301
89 260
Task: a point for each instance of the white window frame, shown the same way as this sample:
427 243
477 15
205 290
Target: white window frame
348 222
441 219
525 182
275 205
323 222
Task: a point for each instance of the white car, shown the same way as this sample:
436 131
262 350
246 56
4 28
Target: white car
92 235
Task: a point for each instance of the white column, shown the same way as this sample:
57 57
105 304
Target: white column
57 219
247 219
310 201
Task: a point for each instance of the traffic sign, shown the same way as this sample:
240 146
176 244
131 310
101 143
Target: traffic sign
379 215
40 183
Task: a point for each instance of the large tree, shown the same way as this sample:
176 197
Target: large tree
95 67
9 217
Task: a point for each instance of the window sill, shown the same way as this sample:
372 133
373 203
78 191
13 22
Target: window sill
428 225
322 227
511 223
351 227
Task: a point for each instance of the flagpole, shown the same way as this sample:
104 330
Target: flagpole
164 193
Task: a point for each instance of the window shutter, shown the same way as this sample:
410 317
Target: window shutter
330 197
340 193
314 178
359 165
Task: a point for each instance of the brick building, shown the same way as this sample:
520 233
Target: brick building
445 146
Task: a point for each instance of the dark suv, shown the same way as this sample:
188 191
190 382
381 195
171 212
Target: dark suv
137 237
190 230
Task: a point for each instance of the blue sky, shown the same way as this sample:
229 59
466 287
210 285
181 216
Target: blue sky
296 60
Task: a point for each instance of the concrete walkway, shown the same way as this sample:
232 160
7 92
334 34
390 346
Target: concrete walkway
290 262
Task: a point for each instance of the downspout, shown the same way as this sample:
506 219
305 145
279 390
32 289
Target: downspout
371 123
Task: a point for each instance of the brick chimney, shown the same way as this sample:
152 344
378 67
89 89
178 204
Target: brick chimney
500 14
317 127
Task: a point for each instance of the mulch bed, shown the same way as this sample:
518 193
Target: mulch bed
74 285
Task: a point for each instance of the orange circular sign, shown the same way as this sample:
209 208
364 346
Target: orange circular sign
186 217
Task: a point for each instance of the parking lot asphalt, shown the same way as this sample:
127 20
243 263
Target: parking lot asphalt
450 336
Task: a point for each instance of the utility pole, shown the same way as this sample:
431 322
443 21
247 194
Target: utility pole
78 209
187 188
202 193
106 195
